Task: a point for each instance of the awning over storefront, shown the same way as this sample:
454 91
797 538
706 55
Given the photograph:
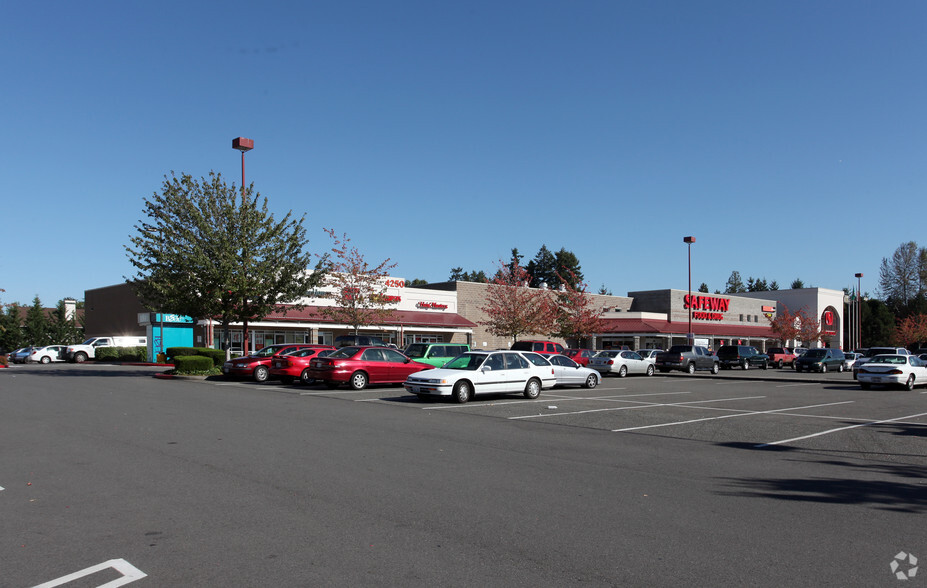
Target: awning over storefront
405 318
631 326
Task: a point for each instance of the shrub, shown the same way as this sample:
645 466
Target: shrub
139 353
106 354
217 355
187 364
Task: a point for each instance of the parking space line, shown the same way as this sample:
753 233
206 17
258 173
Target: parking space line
728 416
549 397
795 385
640 405
838 429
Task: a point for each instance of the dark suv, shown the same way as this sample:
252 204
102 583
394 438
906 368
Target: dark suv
742 356
821 360
358 340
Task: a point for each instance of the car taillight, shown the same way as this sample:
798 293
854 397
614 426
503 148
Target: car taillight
610 362
896 372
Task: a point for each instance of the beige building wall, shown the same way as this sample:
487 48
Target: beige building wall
471 297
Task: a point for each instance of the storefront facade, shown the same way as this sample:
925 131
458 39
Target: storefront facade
452 312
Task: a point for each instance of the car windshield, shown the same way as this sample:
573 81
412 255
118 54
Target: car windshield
467 361
607 354
345 353
267 351
813 353
416 350
896 359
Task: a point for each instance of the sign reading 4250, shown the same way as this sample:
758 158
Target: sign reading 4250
391 283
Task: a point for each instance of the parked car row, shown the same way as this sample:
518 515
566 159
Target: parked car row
45 354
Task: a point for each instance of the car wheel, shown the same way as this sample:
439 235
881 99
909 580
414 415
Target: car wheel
779 364
359 380
287 379
533 389
864 385
623 371
840 368
649 370
745 365
715 368
765 365
80 357
691 368
305 379
591 382
823 368
45 359
909 385
461 392
260 374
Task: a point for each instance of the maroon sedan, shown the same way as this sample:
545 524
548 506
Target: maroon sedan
359 366
257 365
287 368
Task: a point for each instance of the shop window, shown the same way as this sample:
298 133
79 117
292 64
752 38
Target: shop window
325 338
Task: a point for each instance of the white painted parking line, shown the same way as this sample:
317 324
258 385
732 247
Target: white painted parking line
637 406
548 398
129 574
728 416
795 385
838 429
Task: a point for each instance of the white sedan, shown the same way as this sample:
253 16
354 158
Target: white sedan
47 354
621 363
893 370
649 354
569 373
483 372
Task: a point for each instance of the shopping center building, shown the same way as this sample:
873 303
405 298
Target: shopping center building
453 312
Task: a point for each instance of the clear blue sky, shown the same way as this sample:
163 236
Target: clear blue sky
788 137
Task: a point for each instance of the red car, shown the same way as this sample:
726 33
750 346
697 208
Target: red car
287 368
580 356
359 366
542 347
257 365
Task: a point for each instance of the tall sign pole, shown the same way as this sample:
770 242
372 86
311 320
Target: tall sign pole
243 145
690 336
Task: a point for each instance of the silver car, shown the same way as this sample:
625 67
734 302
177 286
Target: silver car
569 373
621 363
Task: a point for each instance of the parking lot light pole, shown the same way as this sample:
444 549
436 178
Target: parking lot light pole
690 336
243 145
859 312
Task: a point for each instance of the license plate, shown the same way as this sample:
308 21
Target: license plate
877 380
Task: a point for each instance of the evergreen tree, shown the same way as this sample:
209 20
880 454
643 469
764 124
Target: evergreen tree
703 288
63 330
35 328
568 269
543 268
797 284
735 284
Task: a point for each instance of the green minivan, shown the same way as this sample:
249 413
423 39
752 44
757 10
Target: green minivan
436 354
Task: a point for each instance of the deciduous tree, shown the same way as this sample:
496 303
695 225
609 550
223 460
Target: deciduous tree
512 308
359 289
577 315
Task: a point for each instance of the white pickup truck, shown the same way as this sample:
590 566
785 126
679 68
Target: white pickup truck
87 349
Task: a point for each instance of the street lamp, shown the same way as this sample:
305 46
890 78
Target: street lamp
243 145
690 336
859 311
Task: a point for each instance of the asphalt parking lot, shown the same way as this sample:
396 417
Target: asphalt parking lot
744 478
753 409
